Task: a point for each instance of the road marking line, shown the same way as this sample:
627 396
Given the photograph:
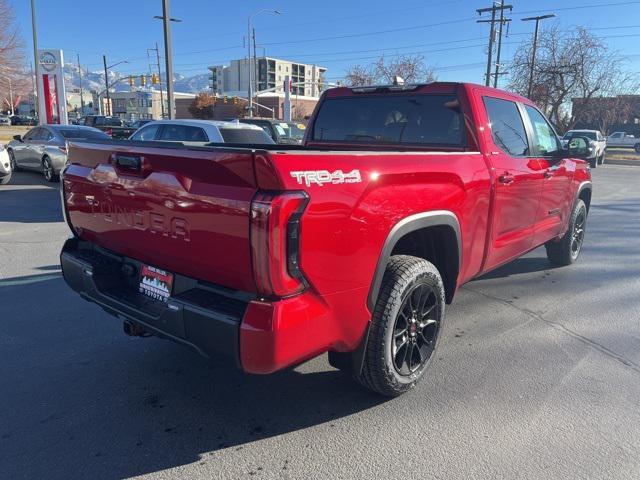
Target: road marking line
27 281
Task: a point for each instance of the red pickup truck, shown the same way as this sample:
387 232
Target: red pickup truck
351 243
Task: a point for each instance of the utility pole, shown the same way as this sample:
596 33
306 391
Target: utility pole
255 64
503 22
492 32
168 54
35 58
159 75
250 89
106 81
11 97
535 46
81 95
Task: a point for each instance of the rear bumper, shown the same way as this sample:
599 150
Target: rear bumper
260 336
197 315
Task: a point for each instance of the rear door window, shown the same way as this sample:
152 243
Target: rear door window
418 119
507 128
182 133
545 138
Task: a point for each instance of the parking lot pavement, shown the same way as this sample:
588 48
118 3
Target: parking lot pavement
537 376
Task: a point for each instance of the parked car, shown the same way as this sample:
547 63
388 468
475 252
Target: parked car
284 133
351 243
43 148
4 120
5 166
201 132
623 140
597 142
112 126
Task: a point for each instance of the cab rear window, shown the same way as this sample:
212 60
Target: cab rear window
427 119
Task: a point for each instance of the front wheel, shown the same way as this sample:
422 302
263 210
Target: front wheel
593 163
47 170
6 179
601 159
405 327
12 161
568 248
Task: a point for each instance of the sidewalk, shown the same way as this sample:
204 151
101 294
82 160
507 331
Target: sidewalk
622 156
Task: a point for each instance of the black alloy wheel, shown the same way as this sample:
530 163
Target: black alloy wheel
415 330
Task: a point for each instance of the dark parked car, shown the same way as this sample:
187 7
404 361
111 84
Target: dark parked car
112 126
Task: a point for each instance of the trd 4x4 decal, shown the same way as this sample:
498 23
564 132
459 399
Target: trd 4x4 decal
320 177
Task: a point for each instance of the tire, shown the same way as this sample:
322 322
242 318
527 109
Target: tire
567 250
12 161
47 170
593 163
636 147
5 180
601 162
407 321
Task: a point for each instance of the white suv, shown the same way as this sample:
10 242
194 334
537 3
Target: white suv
200 132
5 166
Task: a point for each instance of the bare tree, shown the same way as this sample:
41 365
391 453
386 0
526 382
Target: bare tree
569 65
12 59
411 68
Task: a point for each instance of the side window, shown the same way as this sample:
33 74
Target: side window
172 133
195 134
31 134
545 137
46 135
616 135
147 133
507 128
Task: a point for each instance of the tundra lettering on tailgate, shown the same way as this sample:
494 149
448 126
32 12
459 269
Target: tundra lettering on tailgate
320 177
157 223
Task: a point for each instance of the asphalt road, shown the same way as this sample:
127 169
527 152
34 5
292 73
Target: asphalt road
537 376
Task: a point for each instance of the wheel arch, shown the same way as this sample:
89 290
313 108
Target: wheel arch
434 236
584 193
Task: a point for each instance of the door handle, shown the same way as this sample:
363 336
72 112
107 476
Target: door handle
505 178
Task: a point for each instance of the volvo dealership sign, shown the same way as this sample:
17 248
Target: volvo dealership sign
51 92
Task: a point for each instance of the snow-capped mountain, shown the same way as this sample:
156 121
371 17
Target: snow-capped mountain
95 80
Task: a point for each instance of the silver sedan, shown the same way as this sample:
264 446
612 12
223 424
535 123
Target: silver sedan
43 148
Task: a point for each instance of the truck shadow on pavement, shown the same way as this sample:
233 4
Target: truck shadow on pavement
89 399
28 198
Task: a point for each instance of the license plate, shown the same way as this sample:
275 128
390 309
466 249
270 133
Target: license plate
155 283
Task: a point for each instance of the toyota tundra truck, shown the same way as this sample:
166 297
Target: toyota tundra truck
350 244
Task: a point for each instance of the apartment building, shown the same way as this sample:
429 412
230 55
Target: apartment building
233 79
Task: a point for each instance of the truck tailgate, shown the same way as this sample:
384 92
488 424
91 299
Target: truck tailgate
180 209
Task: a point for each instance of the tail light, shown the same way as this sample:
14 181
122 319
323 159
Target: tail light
109 131
275 242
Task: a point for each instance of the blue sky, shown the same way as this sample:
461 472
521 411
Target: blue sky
331 33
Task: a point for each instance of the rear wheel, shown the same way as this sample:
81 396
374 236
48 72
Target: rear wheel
47 170
405 327
567 250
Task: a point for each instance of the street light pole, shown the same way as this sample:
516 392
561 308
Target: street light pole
250 66
11 97
35 58
535 46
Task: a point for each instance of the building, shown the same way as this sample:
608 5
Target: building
608 114
307 80
137 104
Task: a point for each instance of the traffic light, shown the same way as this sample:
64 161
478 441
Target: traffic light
224 99
143 80
154 79
235 100
132 81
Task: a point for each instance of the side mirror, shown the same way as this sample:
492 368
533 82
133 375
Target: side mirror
17 137
579 147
